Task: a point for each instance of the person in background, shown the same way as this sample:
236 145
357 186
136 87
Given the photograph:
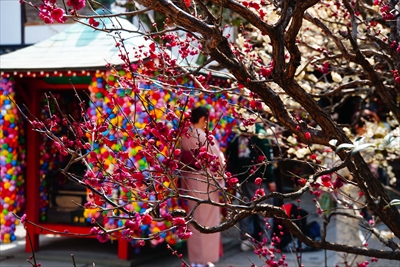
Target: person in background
360 118
202 180
246 155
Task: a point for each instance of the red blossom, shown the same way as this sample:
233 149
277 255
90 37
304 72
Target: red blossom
265 72
179 221
94 22
260 192
258 181
384 8
45 17
315 185
232 181
58 15
338 183
301 181
103 237
152 47
147 219
307 135
76 4
183 233
317 193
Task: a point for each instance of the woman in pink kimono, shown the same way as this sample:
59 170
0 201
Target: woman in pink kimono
203 183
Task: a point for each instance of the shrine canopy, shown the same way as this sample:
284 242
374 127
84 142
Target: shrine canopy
79 47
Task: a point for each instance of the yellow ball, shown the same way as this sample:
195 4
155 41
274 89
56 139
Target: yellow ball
6 238
6 186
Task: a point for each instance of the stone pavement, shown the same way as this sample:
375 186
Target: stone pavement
56 252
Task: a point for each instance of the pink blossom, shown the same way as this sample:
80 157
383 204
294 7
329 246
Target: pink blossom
94 230
183 233
45 17
76 4
103 237
179 221
23 218
58 15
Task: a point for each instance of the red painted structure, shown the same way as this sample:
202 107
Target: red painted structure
30 89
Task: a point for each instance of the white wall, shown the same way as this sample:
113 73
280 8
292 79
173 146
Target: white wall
10 26
10 22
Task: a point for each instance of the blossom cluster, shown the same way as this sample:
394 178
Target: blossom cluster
49 12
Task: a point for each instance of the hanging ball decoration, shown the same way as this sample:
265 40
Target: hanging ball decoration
129 112
12 161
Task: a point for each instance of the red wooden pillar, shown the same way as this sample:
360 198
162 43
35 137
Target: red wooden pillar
32 175
123 249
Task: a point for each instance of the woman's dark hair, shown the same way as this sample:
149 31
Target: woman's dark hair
198 113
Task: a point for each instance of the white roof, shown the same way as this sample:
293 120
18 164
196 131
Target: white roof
78 47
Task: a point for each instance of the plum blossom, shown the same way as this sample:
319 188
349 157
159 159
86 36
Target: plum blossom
58 15
50 12
258 181
76 4
102 237
45 17
23 218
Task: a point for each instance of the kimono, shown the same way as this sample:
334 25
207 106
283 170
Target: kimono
203 248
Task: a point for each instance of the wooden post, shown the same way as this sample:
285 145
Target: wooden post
123 249
32 176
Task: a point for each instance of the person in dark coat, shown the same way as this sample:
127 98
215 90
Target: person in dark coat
249 158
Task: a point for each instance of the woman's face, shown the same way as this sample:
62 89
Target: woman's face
203 122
